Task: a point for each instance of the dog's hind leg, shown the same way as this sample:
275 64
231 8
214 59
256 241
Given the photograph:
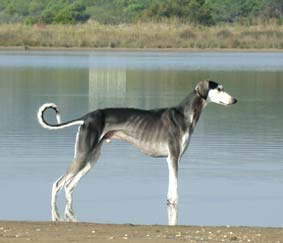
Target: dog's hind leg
57 186
74 180
87 150
69 188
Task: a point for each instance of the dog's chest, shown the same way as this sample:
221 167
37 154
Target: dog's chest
185 142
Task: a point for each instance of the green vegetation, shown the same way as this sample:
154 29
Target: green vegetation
204 12
142 23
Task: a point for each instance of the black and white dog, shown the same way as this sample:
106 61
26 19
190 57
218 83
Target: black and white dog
159 133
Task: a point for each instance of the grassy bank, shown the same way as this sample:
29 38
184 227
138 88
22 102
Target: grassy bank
143 35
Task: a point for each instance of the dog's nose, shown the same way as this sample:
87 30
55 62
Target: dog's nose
234 101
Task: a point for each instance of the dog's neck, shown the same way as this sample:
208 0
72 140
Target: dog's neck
191 107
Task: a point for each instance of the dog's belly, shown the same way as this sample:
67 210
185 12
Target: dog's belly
146 130
149 146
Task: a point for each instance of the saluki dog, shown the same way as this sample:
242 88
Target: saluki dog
159 133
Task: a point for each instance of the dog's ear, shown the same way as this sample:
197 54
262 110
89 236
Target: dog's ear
202 88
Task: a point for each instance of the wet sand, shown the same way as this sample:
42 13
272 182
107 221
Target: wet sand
11 231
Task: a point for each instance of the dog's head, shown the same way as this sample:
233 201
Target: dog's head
214 92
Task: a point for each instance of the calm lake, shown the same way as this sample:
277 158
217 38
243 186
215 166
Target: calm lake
231 174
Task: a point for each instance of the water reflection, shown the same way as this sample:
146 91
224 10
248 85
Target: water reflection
106 85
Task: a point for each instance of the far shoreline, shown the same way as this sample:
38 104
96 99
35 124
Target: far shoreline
100 49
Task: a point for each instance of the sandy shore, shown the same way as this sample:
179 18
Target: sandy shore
89 232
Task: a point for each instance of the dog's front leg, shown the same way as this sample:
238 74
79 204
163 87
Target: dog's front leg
172 196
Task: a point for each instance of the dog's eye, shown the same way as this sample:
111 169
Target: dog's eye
220 89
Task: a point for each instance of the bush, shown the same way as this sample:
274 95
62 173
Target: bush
204 12
193 11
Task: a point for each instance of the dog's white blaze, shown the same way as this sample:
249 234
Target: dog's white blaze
219 97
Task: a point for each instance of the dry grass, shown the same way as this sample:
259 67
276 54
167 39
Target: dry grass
143 35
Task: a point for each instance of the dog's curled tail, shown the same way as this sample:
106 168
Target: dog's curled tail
59 125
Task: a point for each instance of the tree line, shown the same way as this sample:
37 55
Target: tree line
203 12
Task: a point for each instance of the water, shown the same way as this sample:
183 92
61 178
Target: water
232 173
